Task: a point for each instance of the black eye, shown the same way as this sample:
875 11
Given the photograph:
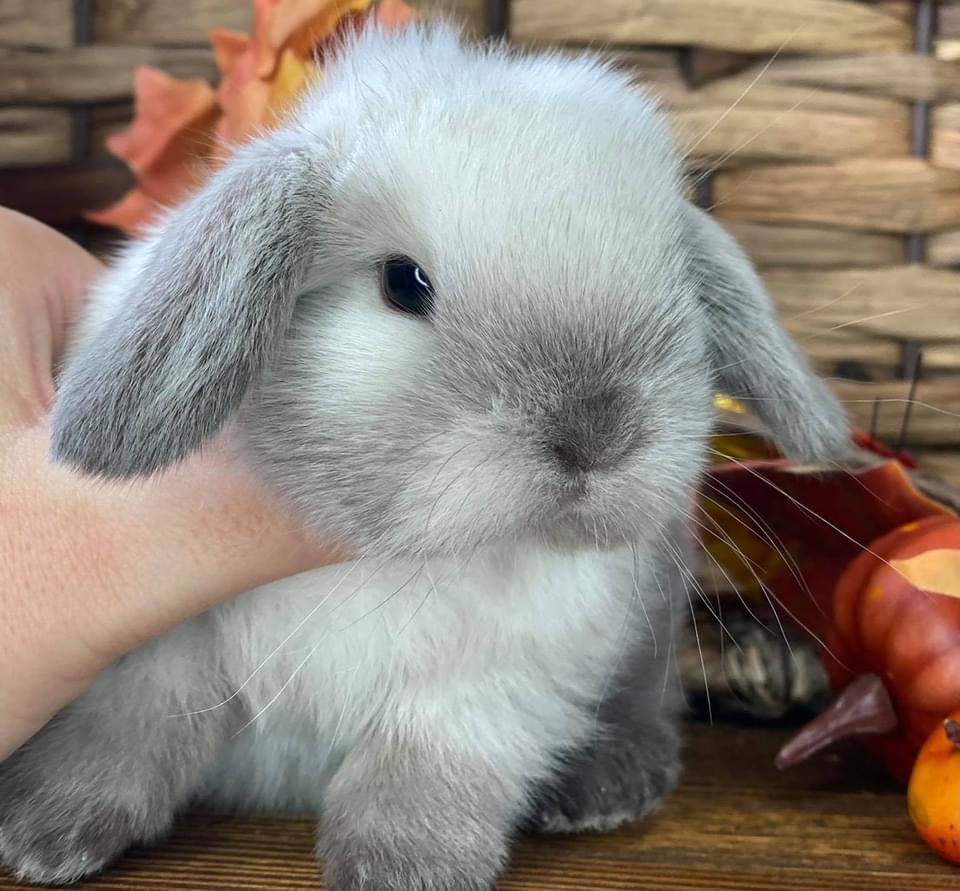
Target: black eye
406 286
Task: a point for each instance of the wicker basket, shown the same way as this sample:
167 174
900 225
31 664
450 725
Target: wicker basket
825 133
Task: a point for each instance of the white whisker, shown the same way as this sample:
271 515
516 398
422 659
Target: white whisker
746 91
352 566
822 306
879 315
763 530
316 646
735 151
698 588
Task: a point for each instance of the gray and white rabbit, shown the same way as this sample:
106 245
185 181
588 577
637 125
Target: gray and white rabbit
462 317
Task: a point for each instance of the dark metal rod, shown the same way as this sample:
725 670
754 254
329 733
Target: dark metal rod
82 22
924 30
925 25
498 17
80 114
913 354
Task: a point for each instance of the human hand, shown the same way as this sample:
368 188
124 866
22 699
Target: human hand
89 570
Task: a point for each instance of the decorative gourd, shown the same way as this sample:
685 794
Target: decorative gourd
934 793
893 645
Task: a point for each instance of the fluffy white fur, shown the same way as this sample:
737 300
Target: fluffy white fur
498 653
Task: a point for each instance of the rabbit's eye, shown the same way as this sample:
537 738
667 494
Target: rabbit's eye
406 286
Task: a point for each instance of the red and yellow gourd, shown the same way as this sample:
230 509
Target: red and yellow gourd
893 646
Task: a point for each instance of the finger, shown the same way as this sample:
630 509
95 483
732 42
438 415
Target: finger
44 271
43 281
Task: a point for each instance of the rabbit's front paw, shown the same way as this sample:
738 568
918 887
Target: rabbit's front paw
360 866
54 842
67 809
621 782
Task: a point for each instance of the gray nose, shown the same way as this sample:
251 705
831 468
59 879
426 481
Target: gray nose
593 432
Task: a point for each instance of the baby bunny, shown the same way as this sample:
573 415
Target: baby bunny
461 317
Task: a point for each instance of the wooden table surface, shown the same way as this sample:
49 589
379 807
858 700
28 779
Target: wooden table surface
735 824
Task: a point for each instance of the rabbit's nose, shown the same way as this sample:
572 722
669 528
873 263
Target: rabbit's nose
595 432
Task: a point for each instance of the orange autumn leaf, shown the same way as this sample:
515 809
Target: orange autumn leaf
228 47
251 104
297 25
163 146
131 214
395 13
182 130
241 94
166 106
288 82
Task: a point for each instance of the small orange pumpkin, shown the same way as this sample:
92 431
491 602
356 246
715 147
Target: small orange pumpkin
933 796
894 646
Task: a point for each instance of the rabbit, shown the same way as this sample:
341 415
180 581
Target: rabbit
459 314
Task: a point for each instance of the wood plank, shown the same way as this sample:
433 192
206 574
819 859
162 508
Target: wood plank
813 246
34 136
735 824
647 65
945 148
106 119
188 22
472 14
943 248
92 73
894 301
737 136
656 69
47 24
782 98
705 65
909 76
948 23
879 357
755 26
945 135
60 194
942 465
947 115
948 50
897 195
905 10
832 354
934 417
170 23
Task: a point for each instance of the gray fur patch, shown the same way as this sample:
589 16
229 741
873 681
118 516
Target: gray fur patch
214 294
625 773
755 359
400 817
108 771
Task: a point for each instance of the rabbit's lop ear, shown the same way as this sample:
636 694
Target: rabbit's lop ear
199 308
754 358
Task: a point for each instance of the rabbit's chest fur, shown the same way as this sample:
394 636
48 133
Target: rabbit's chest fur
506 648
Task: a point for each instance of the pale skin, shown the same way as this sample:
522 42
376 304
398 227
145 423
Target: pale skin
88 569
